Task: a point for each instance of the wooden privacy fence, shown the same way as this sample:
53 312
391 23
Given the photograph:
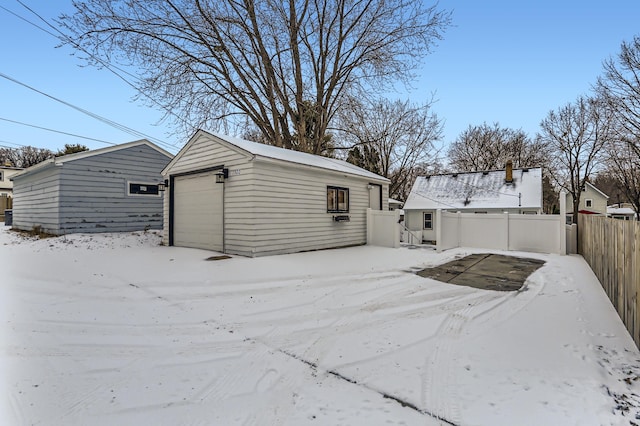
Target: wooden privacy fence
611 247
5 204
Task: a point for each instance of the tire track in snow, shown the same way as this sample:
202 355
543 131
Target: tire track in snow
439 384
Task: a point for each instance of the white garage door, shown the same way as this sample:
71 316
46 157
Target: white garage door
198 212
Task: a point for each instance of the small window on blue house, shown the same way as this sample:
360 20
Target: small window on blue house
138 188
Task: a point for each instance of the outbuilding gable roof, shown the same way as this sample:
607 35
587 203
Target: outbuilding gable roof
276 153
85 154
477 190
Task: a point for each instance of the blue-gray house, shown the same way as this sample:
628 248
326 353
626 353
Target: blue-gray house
114 189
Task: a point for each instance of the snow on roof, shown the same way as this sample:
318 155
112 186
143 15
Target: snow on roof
277 153
620 210
477 190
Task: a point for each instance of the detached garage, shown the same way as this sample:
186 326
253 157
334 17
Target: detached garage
113 189
234 196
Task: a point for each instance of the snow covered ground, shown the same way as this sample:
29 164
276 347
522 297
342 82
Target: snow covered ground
114 329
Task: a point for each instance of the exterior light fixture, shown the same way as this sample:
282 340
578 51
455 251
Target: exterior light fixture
162 186
222 175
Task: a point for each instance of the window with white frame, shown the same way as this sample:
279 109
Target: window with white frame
428 221
337 199
142 189
588 202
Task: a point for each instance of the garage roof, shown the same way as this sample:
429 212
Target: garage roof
288 155
58 161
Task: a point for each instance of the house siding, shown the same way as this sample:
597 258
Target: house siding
35 201
275 207
90 194
599 204
290 209
204 153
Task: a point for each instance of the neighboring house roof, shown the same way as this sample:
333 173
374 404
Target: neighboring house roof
477 190
627 211
394 201
281 154
58 161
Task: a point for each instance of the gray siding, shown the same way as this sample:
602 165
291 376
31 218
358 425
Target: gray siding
35 201
90 194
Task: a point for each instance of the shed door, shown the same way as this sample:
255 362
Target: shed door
198 212
375 196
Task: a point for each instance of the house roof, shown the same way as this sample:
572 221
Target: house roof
621 211
596 190
57 161
477 190
281 154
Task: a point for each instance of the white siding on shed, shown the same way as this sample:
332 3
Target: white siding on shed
273 206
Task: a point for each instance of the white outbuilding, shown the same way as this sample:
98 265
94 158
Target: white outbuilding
238 197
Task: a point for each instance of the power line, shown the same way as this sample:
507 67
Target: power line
107 121
106 65
11 143
56 131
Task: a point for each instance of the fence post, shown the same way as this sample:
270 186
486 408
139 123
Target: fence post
563 220
369 225
439 230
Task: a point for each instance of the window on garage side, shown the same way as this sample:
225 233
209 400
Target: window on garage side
142 189
588 202
337 199
428 220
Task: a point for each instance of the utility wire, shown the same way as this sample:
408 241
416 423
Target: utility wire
106 65
56 131
111 123
11 143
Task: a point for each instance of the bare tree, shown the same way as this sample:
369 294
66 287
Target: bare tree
576 134
620 88
487 147
287 66
401 134
623 165
25 156
71 149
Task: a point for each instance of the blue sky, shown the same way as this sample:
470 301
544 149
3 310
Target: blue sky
501 61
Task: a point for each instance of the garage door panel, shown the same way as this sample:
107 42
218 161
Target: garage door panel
198 212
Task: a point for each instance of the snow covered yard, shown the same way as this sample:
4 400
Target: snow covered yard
114 329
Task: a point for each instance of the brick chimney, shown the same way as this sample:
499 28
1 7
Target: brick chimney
509 172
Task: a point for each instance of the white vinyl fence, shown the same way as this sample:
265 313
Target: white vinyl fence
383 228
501 231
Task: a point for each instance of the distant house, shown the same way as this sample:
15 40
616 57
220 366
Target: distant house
517 191
234 196
6 185
623 211
394 204
111 189
592 201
